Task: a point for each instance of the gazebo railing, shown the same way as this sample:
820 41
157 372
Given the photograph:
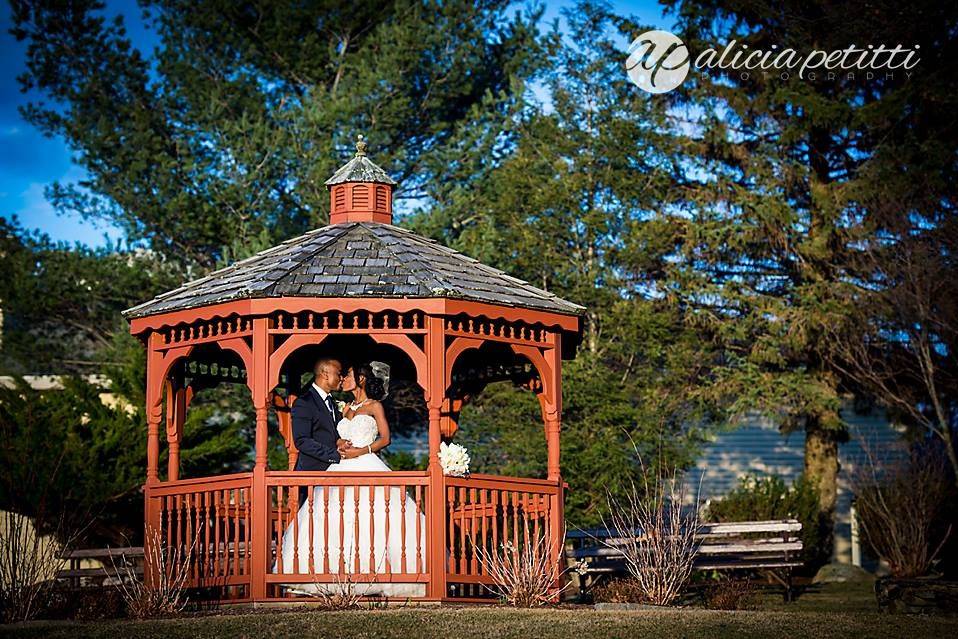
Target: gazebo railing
497 519
205 528
344 522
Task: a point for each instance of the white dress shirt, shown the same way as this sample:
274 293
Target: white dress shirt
325 396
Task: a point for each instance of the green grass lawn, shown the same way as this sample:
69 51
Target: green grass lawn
841 610
849 597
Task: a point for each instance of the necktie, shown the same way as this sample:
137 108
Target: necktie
329 403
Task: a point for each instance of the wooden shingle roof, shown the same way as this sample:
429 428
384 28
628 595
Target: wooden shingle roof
357 259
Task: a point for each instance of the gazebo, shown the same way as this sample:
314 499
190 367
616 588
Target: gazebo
360 286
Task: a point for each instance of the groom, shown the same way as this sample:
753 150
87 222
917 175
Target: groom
315 416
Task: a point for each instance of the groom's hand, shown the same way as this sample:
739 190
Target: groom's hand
351 451
342 445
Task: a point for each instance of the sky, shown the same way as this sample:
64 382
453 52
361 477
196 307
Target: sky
30 162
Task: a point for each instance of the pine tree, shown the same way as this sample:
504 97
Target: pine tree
62 303
213 146
221 138
77 450
569 203
783 190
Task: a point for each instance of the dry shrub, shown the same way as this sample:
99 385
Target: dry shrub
523 576
627 590
730 594
345 593
656 536
899 502
29 563
171 569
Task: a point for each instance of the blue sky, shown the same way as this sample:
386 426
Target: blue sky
29 162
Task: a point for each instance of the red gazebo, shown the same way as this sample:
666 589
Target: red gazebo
444 322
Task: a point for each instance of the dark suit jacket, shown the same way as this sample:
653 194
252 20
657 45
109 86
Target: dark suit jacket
314 431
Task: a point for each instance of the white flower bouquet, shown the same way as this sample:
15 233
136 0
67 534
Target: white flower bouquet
454 459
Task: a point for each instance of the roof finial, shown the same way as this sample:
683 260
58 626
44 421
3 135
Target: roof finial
360 145
360 168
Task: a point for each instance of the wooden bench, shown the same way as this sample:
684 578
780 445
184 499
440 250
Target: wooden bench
771 547
117 563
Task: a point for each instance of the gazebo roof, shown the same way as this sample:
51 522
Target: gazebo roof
357 259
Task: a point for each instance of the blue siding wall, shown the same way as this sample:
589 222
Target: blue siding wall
757 447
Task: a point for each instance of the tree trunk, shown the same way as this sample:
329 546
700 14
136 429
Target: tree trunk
821 468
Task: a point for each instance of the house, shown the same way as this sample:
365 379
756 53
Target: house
757 447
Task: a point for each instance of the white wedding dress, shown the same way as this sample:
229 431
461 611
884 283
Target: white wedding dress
361 430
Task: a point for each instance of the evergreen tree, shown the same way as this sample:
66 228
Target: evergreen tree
570 205
221 139
215 145
69 460
62 303
78 449
787 179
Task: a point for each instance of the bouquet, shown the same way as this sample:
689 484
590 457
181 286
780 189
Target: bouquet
454 459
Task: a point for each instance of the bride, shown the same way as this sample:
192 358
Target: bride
365 427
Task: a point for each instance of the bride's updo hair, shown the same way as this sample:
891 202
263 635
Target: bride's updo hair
375 389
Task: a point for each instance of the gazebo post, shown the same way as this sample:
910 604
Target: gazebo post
282 407
553 422
175 417
154 395
553 403
259 386
436 521
154 398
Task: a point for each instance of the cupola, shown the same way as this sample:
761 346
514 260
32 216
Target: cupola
360 191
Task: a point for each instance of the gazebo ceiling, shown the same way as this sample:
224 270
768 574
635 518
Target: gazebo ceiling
357 259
